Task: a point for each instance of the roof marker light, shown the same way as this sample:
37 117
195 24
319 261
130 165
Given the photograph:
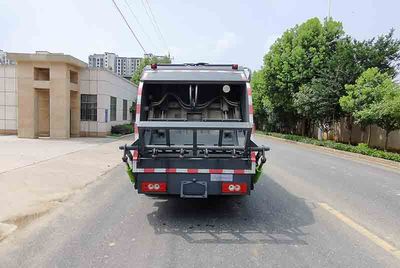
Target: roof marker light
154 66
235 66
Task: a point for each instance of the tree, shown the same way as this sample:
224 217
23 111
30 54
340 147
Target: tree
261 102
382 52
147 61
353 57
318 102
294 60
320 51
374 99
386 113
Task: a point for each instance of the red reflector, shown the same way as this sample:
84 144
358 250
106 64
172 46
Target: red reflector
234 188
235 66
154 187
154 66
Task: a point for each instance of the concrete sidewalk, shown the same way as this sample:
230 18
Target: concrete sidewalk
29 191
18 152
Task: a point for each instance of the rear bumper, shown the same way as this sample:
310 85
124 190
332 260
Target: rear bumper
212 182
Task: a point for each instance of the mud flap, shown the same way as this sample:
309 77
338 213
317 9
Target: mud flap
130 174
256 176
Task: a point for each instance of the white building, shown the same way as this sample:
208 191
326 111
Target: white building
106 100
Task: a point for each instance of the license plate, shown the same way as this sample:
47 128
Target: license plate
221 177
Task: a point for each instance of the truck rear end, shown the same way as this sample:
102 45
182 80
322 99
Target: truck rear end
194 132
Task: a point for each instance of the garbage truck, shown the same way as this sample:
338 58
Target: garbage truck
194 132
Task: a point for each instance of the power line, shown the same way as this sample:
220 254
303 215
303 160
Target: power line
148 15
127 24
154 22
139 24
158 28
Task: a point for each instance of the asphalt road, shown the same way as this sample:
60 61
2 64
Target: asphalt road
310 209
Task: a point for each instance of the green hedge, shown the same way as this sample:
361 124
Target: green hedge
122 129
361 148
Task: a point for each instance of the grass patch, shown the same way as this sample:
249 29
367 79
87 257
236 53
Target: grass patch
361 148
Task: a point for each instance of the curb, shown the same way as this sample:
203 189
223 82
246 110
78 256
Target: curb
6 230
120 137
392 165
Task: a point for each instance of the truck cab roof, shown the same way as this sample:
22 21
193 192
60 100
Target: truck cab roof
196 72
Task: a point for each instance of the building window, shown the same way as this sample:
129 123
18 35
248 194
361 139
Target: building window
88 107
113 108
41 74
73 77
125 110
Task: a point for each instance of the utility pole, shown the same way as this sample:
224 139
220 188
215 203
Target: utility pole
329 9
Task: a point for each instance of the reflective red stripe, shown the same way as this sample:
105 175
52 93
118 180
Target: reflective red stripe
251 109
170 170
249 91
140 88
138 108
135 154
192 170
253 156
216 171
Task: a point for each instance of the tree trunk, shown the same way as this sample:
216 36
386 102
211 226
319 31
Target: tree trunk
320 133
369 136
310 127
362 134
387 139
349 126
350 134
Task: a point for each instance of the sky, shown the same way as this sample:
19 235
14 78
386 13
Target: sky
213 31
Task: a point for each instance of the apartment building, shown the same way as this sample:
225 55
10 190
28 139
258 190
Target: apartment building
123 66
106 60
4 59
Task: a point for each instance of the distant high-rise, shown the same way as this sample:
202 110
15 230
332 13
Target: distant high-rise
123 66
3 58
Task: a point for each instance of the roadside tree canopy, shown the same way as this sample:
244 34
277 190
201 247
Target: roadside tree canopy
374 99
147 61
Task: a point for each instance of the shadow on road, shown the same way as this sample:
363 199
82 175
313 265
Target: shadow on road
271 215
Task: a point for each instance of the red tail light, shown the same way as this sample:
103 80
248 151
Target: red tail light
156 187
235 66
234 188
154 66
